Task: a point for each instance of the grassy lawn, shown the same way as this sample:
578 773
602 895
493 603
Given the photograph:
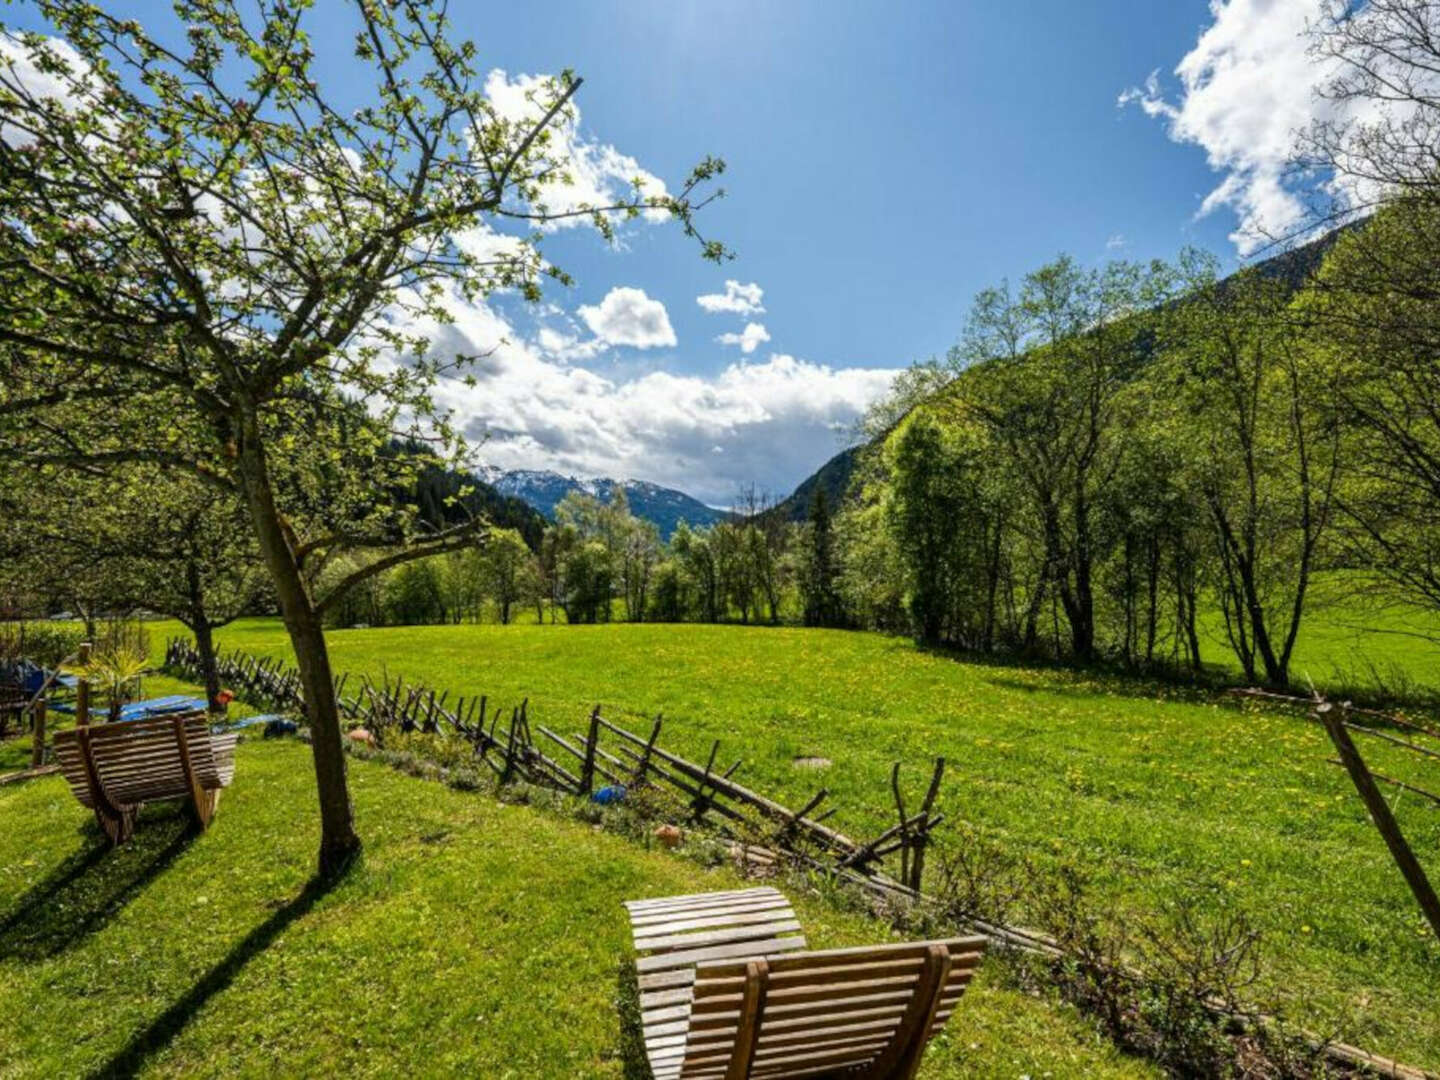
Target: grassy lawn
1349 641
475 938
1154 790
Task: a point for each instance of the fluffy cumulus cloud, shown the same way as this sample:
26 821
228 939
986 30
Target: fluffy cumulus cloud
597 173
1246 89
531 401
751 338
628 317
737 299
769 422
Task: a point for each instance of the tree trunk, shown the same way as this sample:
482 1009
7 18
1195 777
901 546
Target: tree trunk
1152 584
1276 675
1032 614
1082 618
200 626
1192 637
992 587
205 645
339 843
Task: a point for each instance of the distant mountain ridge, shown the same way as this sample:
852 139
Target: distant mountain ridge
543 489
834 476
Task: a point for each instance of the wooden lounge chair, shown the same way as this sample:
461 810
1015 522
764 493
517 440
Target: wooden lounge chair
116 768
727 992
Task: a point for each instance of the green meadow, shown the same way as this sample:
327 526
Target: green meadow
475 938
1153 791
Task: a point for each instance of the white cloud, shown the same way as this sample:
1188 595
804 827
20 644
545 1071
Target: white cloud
594 174
737 299
628 317
20 73
770 423
751 338
1247 89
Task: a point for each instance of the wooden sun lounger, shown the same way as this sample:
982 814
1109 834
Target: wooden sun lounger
727 993
116 768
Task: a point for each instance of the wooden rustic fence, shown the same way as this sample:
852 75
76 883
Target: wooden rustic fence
1340 720
765 830
579 762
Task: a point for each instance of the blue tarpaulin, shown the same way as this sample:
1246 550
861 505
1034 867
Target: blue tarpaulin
32 678
144 710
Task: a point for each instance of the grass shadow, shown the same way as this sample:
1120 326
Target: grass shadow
91 886
1212 685
632 1034
133 1056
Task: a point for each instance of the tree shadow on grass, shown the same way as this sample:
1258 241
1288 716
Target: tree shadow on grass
91 886
134 1055
632 1035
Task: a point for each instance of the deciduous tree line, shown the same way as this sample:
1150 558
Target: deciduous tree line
1110 455
599 563
1115 457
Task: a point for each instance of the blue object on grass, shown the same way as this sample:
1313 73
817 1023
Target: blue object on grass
280 726
610 794
34 678
146 710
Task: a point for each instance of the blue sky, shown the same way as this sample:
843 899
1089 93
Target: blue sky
886 161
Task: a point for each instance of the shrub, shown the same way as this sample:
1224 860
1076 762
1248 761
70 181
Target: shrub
46 644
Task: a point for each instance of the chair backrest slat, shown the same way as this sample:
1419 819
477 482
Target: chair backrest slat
870 1010
140 760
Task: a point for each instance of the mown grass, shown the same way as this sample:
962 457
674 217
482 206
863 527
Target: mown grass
1154 791
475 938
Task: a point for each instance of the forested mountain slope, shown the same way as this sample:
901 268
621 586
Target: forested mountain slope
1293 267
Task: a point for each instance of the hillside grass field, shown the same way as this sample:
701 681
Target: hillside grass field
1152 790
1351 640
475 938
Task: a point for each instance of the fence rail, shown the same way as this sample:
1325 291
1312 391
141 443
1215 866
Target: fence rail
506 742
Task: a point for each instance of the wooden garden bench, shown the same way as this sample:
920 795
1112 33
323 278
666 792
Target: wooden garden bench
116 768
728 992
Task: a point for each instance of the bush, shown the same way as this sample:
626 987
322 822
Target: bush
123 638
46 644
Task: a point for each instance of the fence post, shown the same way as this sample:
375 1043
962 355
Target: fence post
1385 822
37 747
922 838
587 773
644 763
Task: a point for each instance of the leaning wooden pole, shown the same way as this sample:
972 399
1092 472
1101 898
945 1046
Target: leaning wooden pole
922 838
1400 851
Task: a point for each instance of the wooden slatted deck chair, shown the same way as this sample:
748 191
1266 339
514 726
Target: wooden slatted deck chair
116 768
727 993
